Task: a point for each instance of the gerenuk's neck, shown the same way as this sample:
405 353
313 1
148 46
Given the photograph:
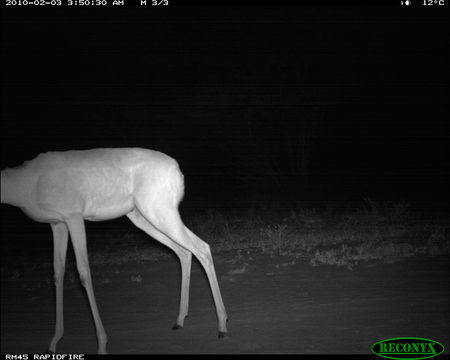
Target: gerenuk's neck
13 187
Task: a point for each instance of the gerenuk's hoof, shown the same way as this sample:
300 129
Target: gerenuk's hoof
176 327
222 334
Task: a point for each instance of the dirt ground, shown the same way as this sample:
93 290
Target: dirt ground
274 305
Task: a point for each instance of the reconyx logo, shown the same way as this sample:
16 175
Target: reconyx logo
407 348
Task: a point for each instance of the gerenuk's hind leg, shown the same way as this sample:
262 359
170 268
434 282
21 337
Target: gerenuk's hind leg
184 255
165 217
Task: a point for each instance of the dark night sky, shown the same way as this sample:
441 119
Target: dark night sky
224 90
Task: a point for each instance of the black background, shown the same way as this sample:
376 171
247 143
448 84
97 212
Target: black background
232 92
